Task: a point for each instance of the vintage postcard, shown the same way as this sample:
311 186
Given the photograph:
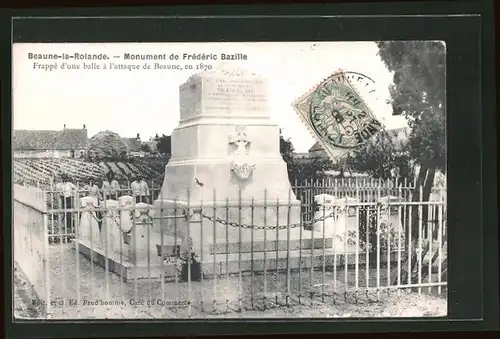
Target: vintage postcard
229 180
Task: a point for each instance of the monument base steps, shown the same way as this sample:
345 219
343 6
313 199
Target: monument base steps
122 266
222 264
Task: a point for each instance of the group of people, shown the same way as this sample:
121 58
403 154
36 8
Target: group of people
106 189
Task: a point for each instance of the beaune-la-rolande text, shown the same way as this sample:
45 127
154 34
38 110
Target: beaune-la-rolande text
67 56
131 56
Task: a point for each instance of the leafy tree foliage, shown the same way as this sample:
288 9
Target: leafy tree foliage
300 170
418 93
286 149
145 148
311 169
163 144
383 159
107 145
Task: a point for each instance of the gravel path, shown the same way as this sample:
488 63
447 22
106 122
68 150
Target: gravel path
104 296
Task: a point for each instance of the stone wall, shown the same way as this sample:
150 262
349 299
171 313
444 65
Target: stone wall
48 153
30 236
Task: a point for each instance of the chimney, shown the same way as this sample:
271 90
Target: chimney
64 126
138 137
84 127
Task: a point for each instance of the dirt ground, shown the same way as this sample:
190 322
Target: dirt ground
26 302
102 295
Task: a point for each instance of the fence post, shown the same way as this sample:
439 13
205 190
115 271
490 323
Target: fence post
440 236
189 244
214 225
377 206
356 267
240 277
265 248
311 269
162 246
77 249
46 263
399 237
420 235
288 249
277 250
201 257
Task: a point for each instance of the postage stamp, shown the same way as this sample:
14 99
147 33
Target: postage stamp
336 112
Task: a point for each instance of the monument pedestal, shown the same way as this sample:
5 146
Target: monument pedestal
143 266
134 256
226 188
226 163
224 247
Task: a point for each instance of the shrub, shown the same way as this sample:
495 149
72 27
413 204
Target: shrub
368 233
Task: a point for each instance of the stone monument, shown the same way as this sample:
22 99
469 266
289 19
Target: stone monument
226 154
111 239
142 252
225 195
89 230
338 227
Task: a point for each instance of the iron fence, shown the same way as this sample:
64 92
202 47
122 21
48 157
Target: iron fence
121 254
362 189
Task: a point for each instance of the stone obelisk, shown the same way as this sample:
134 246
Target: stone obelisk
226 153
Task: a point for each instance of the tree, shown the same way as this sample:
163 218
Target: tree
287 150
163 144
107 145
145 148
383 158
300 170
418 93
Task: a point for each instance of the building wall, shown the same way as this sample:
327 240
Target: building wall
47 153
80 153
318 154
137 154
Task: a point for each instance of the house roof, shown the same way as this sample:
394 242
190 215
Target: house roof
133 144
316 147
302 155
66 139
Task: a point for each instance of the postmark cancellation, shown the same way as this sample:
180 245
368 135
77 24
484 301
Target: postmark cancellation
336 113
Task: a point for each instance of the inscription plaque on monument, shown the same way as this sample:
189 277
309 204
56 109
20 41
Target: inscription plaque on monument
224 94
234 95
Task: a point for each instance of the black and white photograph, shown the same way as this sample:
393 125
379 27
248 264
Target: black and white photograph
229 180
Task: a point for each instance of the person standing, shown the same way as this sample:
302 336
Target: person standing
110 187
106 187
67 191
140 190
92 190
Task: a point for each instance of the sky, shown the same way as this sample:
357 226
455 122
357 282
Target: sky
146 101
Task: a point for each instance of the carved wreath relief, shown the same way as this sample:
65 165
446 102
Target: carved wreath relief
240 165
